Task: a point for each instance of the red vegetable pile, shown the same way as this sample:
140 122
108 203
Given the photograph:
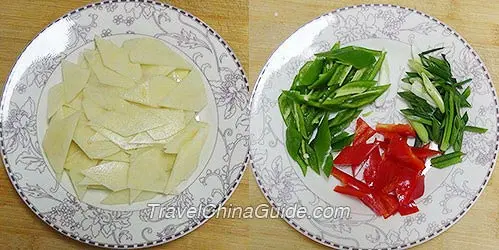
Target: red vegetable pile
393 170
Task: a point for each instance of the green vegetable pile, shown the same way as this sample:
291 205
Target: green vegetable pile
337 84
436 100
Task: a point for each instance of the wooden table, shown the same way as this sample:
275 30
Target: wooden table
253 29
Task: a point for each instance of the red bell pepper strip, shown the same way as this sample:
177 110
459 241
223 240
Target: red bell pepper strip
390 204
349 180
354 155
386 175
374 203
418 188
400 129
371 170
423 153
349 191
362 132
399 150
408 209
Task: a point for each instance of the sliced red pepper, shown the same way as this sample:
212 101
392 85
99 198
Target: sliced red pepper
374 204
354 155
399 150
371 169
418 188
349 191
386 174
349 180
382 144
423 153
390 204
362 132
400 129
406 186
408 209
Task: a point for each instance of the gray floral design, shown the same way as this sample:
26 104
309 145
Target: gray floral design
20 126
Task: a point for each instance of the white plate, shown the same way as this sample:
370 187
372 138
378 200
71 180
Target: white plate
449 192
23 124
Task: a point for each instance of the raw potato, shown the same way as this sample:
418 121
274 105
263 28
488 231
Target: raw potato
187 160
94 150
116 59
188 95
147 172
117 198
153 51
175 143
112 175
75 78
105 75
58 139
55 99
126 128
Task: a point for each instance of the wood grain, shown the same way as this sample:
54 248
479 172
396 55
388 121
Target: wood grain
254 29
271 22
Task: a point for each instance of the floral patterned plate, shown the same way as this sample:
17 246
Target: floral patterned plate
23 122
449 192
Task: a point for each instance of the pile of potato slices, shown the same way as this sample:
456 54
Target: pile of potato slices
123 120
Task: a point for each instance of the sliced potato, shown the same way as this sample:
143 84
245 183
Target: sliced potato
116 198
87 181
147 172
105 75
112 175
76 102
153 51
149 71
117 59
187 160
58 139
176 142
145 195
179 75
151 92
190 94
134 193
77 161
107 97
55 99
122 142
120 156
94 150
145 138
75 79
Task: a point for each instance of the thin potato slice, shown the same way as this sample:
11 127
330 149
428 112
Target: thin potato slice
153 51
117 198
55 99
122 142
112 175
149 71
178 75
145 195
147 171
117 59
94 150
120 156
105 75
75 79
134 193
187 160
58 139
190 94
176 142
76 102
77 161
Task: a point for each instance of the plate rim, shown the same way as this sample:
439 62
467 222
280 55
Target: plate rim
461 214
148 244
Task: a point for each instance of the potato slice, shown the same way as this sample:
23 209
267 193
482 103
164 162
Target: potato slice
122 142
175 143
76 102
58 139
75 79
120 156
87 181
174 122
105 75
149 71
151 92
117 198
112 175
94 150
178 75
145 138
153 51
77 161
55 99
134 193
117 59
147 170
107 97
187 160
190 94
97 137
63 112
145 195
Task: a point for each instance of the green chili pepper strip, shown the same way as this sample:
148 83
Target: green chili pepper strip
293 143
370 74
420 131
447 163
355 87
309 73
322 143
299 120
475 129
446 157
